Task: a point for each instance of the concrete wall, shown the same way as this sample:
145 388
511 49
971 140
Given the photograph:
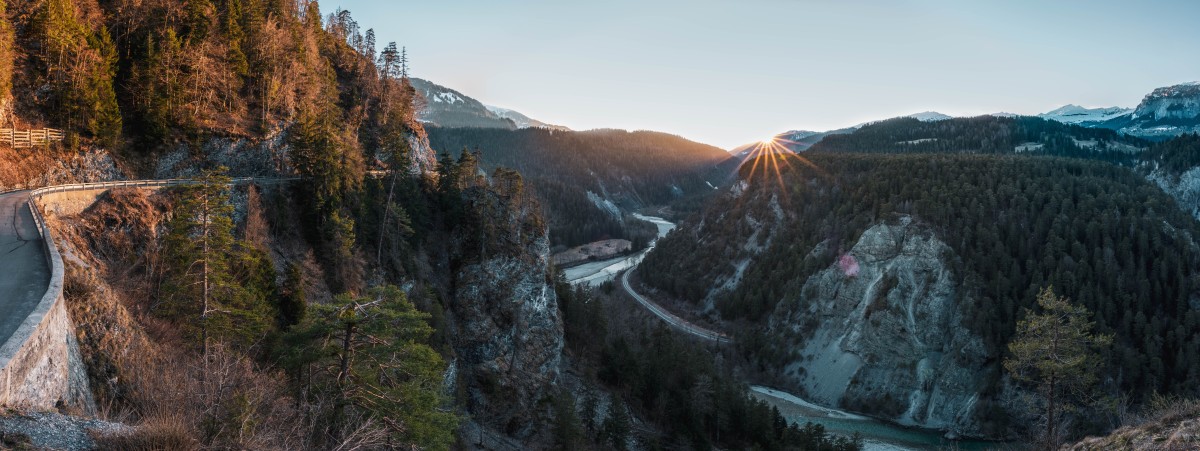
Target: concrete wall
40 365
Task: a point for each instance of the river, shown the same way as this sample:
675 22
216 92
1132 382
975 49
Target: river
596 273
877 435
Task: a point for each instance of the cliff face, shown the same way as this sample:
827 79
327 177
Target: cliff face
1165 112
506 322
881 330
1185 188
510 339
269 156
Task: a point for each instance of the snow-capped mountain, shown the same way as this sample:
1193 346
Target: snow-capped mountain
930 116
1164 113
1075 114
521 120
446 107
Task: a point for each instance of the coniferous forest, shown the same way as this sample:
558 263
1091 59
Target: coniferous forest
1099 234
631 169
383 283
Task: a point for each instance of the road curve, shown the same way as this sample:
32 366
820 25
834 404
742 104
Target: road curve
24 265
672 320
24 269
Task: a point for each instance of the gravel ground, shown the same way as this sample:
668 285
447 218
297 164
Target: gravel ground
55 431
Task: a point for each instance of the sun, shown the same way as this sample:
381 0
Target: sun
770 159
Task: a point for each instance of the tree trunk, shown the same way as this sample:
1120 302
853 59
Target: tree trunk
1051 433
346 350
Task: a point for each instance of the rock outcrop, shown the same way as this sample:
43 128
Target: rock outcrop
510 340
881 330
1185 188
1165 112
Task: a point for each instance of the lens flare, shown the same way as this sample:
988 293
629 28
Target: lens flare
770 158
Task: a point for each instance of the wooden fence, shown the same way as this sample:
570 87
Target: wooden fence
18 139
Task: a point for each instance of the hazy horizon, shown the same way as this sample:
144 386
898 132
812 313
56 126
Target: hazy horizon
728 73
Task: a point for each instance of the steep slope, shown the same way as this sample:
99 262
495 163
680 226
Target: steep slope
1174 165
1165 112
891 284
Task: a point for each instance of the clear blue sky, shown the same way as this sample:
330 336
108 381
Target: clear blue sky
727 72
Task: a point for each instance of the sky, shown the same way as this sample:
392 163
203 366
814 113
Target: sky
729 72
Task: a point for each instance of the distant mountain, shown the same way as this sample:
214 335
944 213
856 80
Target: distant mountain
1165 113
1075 114
445 107
801 140
930 116
588 181
990 135
521 120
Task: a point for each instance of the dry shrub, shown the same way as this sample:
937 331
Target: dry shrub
142 371
156 434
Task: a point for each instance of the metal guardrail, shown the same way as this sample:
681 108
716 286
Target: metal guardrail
44 231
39 192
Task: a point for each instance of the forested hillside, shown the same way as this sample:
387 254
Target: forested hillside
987 135
631 170
1175 156
142 78
1098 233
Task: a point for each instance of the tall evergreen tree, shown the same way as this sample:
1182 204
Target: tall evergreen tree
202 289
370 352
1057 350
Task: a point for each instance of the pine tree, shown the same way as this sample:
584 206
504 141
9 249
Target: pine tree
370 352
615 427
1057 350
202 289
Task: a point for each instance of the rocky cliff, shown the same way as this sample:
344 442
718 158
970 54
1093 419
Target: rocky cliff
506 321
509 340
269 156
881 330
1185 188
1165 112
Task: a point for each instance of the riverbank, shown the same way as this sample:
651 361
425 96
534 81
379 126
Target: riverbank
877 435
598 272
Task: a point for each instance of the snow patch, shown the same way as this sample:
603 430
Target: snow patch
448 97
1074 114
605 204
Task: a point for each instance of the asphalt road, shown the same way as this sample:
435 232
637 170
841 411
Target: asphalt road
672 320
24 273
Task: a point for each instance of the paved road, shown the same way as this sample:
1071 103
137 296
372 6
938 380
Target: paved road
674 321
24 273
